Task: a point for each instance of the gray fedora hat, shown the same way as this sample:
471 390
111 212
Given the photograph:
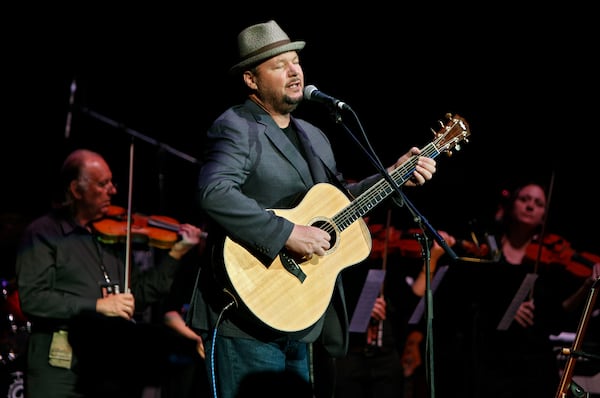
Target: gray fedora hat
262 41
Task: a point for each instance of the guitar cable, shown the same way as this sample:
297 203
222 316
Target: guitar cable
231 303
214 338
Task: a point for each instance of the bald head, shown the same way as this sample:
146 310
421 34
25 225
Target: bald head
77 166
75 163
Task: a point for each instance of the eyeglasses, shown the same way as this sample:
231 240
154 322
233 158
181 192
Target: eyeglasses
104 184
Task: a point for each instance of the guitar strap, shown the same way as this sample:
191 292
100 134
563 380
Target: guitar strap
319 170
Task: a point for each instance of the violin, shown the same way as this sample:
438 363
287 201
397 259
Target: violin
469 247
156 231
408 245
555 249
389 239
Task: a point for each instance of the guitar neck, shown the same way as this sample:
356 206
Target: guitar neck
379 191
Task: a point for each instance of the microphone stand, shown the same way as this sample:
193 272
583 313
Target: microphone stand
418 218
426 226
139 135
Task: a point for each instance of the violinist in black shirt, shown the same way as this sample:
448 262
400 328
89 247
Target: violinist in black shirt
65 272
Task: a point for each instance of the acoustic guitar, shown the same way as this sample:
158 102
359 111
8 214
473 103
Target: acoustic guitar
291 295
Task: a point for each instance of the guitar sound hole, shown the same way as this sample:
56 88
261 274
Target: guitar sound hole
327 227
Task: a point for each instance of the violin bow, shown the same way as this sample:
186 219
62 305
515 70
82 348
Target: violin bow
543 231
388 226
126 287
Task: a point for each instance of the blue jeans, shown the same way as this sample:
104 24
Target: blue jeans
243 367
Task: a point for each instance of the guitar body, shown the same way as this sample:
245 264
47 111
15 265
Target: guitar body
278 297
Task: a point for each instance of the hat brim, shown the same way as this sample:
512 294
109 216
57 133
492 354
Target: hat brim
293 46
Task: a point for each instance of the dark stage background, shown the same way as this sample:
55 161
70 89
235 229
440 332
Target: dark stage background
524 79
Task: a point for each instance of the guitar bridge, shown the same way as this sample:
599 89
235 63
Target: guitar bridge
292 266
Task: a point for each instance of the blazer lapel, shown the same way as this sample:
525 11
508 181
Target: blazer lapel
315 163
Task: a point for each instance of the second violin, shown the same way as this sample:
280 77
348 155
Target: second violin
556 249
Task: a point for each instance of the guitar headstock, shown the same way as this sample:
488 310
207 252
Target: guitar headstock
454 131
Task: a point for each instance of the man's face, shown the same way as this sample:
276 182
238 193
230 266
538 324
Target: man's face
97 188
279 82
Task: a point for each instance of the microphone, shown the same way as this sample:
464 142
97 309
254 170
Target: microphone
70 113
311 93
